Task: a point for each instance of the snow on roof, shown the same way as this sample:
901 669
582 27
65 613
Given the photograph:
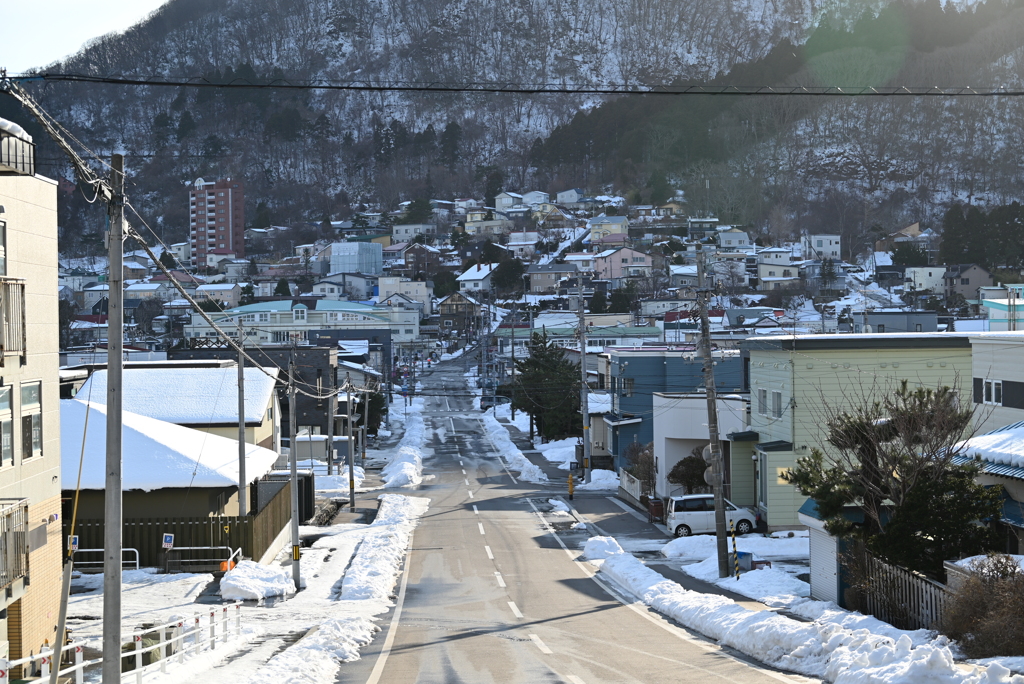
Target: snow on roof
134 264
477 272
156 454
217 287
354 347
1004 445
599 403
358 367
188 396
144 286
605 254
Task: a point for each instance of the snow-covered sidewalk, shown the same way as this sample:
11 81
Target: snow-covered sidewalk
841 647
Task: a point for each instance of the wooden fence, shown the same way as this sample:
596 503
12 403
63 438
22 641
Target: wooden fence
901 597
253 534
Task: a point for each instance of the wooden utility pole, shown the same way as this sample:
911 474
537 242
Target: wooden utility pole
717 471
292 456
242 503
112 510
351 447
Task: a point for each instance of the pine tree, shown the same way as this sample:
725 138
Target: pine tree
283 289
548 389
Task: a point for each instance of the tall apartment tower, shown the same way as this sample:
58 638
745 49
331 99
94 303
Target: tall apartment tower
30 487
216 220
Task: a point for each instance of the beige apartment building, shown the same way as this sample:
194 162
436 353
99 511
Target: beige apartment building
30 526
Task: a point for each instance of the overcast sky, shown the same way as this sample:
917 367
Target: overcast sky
38 32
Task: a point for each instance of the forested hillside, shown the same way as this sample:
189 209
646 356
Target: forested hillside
776 164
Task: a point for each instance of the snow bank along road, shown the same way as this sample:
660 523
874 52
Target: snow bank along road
490 595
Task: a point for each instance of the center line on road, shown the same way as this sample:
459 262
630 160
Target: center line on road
470 493
501 582
515 609
540 644
460 463
467 481
489 554
574 679
463 471
481 526
476 510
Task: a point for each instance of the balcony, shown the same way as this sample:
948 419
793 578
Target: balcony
17 152
13 540
12 317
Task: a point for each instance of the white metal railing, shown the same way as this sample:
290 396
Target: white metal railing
178 639
91 565
630 484
231 554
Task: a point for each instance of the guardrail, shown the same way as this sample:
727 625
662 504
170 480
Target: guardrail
177 639
91 565
178 562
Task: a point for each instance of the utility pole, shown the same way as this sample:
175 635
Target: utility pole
351 447
292 455
513 405
112 510
242 503
584 387
332 401
717 469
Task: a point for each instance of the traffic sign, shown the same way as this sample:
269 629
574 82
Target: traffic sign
168 541
73 542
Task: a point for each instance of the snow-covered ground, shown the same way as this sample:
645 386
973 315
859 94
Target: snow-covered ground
837 646
405 465
349 573
498 434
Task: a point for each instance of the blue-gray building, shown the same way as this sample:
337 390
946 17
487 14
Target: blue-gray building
633 374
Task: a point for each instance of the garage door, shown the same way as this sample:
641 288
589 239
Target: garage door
824 567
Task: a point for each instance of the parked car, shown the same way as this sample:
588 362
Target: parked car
695 514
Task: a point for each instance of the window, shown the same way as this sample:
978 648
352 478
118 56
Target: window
31 421
6 428
625 261
881 327
994 392
298 315
776 404
965 281
762 402
771 274
408 331
447 324
819 243
264 317
3 248
917 327
786 273
627 387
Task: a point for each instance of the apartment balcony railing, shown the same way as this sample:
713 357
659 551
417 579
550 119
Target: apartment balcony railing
12 316
13 540
17 155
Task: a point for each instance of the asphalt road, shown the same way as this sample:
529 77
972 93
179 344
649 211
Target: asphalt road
491 595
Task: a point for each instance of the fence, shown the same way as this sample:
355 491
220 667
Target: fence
901 597
252 534
170 643
630 484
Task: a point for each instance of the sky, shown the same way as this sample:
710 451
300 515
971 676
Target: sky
69 24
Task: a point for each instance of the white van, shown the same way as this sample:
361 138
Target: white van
695 514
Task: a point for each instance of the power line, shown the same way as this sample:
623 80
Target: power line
535 88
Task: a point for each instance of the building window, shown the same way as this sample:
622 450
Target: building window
6 428
917 327
264 317
762 402
776 404
994 392
881 327
408 331
627 387
31 421
965 281
298 315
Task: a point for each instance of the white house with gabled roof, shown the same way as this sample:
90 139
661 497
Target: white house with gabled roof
476 279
